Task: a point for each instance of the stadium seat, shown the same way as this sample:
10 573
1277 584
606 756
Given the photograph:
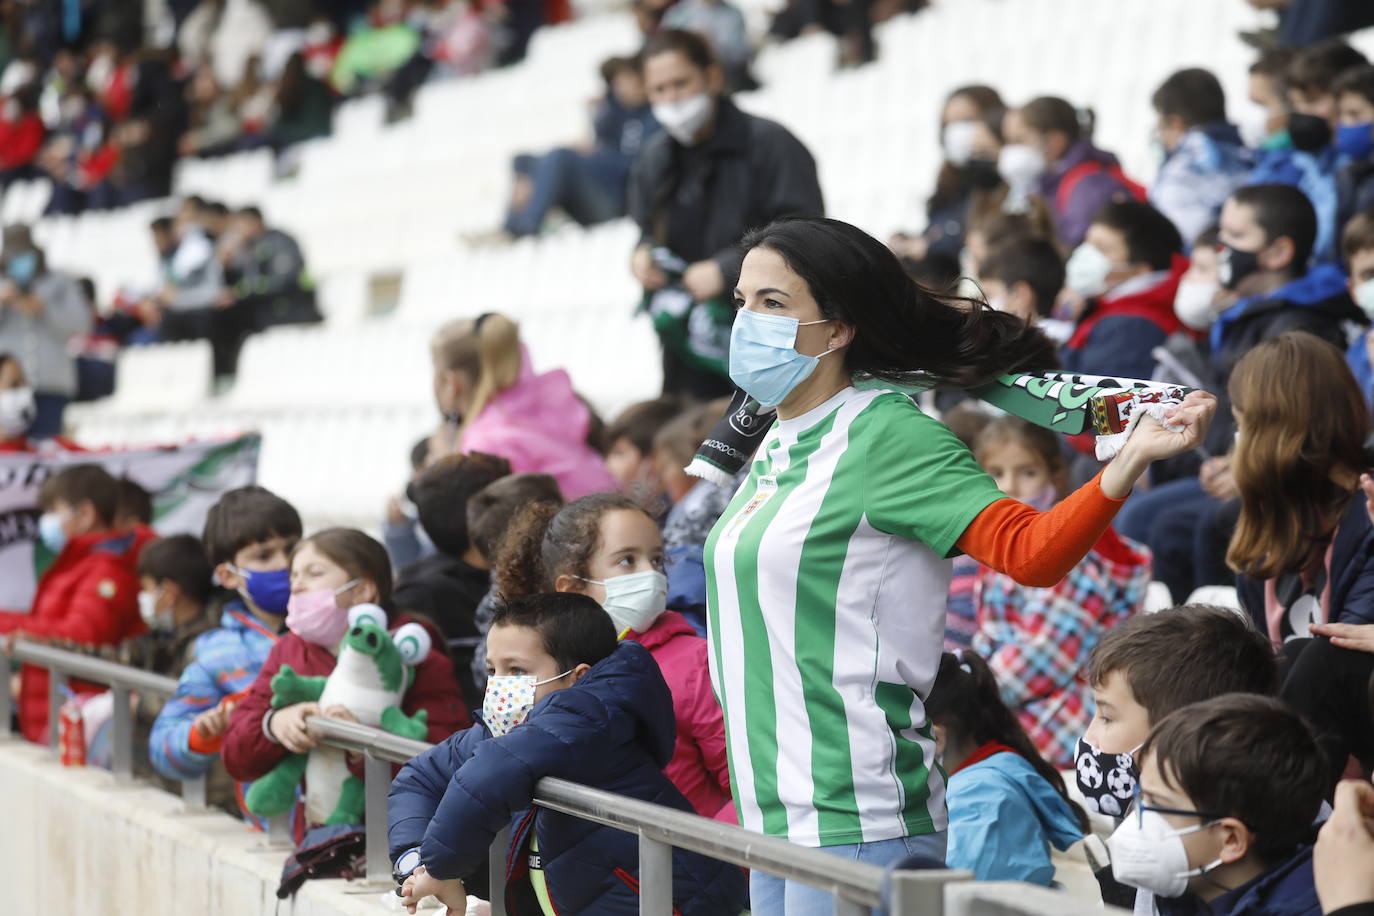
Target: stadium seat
378 201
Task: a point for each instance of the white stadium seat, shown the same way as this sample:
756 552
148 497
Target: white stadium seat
377 203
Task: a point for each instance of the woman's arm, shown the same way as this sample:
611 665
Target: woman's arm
1040 548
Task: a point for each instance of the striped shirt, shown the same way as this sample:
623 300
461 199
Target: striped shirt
826 583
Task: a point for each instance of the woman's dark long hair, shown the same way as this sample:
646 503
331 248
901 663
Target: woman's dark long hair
967 704
904 333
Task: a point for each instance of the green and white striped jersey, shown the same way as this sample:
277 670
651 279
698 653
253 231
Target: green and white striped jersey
826 584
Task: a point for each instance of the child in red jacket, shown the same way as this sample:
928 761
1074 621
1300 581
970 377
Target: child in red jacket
331 571
89 595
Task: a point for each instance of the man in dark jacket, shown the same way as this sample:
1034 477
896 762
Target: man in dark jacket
446 586
268 275
564 701
714 173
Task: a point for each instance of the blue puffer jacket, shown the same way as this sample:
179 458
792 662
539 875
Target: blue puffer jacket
613 730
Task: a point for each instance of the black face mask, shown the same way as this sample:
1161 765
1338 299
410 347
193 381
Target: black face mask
1234 265
1309 133
982 174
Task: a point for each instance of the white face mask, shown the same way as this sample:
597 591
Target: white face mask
17 411
635 601
957 141
157 621
1087 270
1364 297
1149 854
1020 165
509 699
1193 303
684 118
1254 125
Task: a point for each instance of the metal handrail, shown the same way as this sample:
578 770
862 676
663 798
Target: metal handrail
856 886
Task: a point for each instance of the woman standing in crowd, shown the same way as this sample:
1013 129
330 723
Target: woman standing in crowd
493 402
714 173
1304 545
827 573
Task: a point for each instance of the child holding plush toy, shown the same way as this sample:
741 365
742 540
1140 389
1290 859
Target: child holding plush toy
333 572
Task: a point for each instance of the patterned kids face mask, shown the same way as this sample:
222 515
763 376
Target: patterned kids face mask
509 699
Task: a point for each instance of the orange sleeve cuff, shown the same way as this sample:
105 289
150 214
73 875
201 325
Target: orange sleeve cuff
1039 549
203 745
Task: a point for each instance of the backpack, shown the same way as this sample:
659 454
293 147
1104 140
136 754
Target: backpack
1069 183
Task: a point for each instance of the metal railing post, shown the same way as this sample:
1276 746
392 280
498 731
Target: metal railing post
376 785
6 701
279 831
56 681
496 872
193 794
655 877
913 891
844 907
122 762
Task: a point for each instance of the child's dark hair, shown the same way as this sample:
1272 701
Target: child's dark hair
1283 211
358 554
1356 81
180 559
1247 757
545 542
1184 655
696 49
967 703
1207 238
79 484
1151 237
248 515
1030 260
679 439
1036 439
1194 94
442 492
134 502
573 628
491 510
1358 234
1314 69
639 423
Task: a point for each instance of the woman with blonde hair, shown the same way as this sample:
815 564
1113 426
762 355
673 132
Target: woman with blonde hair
493 402
1302 547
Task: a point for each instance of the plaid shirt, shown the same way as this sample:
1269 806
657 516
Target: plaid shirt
1037 640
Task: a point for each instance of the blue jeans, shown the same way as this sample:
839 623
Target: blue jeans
772 896
590 188
48 421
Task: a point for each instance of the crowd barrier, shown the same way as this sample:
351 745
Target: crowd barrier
858 888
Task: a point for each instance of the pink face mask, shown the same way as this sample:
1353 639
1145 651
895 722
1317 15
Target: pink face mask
316 616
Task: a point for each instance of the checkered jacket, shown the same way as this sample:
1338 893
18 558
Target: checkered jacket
1037 640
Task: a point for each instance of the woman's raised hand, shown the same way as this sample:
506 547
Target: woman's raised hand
1150 441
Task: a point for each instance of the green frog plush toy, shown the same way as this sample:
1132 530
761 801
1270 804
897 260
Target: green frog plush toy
373 673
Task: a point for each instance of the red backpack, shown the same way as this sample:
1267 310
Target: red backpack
1069 183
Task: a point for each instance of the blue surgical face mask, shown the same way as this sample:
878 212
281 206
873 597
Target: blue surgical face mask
50 531
1355 140
21 267
269 590
763 356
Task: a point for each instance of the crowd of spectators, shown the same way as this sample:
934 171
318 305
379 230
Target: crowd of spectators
567 572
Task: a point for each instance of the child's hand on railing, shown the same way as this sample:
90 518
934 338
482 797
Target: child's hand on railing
422 884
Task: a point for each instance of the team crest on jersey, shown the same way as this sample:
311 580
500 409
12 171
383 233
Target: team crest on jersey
105 588
767 487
